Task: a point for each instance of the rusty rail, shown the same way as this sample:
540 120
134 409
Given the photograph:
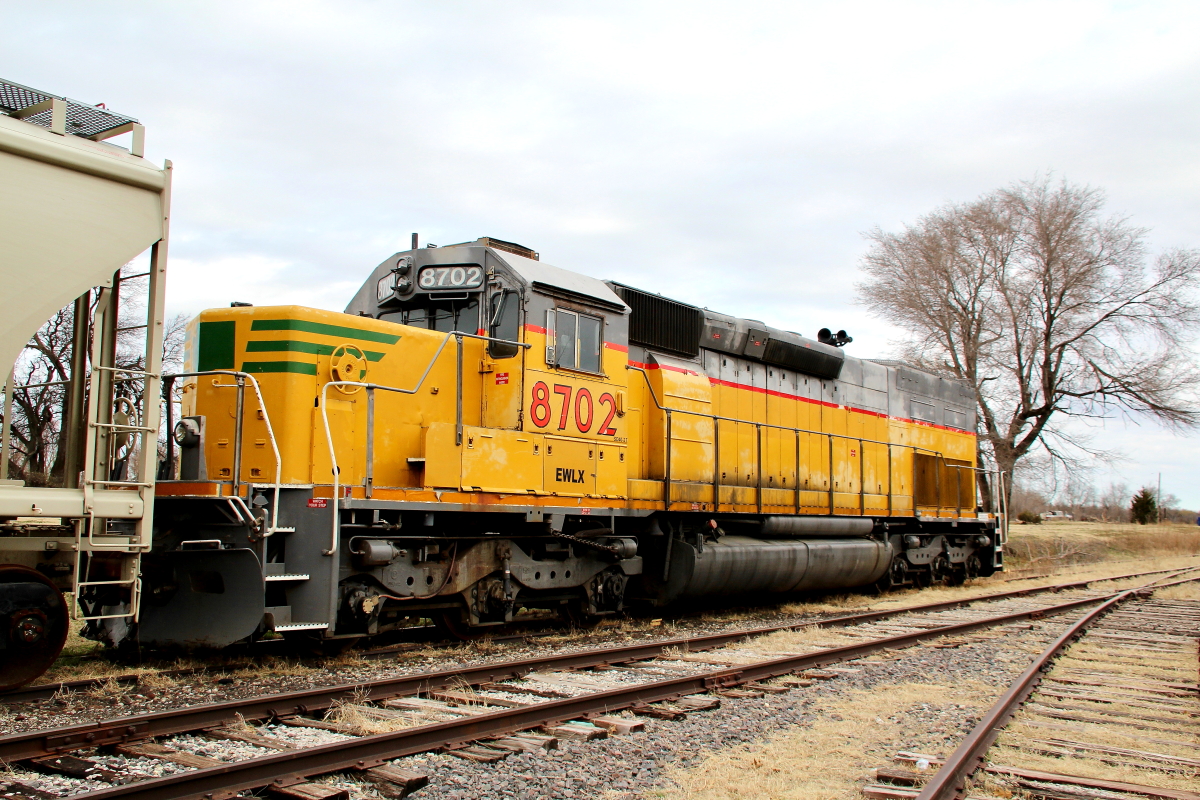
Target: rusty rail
292 767
32 744
950 781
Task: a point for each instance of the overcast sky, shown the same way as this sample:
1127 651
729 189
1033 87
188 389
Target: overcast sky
727 154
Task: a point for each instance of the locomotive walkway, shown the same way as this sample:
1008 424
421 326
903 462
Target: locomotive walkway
484 713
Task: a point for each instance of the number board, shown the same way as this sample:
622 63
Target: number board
572 409
385 287
454 277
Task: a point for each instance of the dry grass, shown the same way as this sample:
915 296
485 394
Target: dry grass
1060 543
1005 581
801 640
828 759
364 720
1184 591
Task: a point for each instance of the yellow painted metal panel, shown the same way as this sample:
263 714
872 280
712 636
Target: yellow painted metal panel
612 475
443 459
502 461
570 467
645 490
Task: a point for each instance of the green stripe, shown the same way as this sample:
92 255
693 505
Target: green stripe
298 367
294 346
217 340
323 329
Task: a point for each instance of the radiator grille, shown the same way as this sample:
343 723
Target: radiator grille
662 324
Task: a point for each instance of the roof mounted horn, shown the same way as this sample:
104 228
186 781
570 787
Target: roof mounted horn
839 339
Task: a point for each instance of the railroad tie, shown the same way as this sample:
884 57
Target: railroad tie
394 782
157 751
15 790
75 767
310 791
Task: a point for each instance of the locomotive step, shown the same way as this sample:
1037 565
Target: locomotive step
289 577
301 626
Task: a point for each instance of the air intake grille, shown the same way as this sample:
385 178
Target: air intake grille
662 324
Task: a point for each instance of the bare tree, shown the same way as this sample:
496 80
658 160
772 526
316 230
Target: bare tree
45 367
1047 308
1114 504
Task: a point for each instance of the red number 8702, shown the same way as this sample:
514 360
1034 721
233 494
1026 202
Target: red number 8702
541 412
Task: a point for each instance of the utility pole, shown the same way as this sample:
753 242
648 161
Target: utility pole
1158 499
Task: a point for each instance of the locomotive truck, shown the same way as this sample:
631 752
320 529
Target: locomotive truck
478 436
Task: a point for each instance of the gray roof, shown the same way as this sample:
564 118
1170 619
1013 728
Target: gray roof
556 277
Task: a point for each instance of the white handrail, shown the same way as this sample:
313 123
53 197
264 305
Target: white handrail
266 419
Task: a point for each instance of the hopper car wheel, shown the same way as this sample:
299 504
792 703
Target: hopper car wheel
33 622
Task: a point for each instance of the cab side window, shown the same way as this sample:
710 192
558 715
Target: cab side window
576 340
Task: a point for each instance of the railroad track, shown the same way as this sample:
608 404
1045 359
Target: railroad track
47 691
1109 711
482 713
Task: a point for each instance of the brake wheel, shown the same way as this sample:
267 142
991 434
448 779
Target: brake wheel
33 622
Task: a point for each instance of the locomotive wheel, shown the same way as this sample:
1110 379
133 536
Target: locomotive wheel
33 622
451 624
897 575
974 566
942 572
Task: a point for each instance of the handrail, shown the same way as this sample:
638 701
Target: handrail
717 419
371 387
239 424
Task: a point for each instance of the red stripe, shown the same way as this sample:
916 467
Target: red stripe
667 367
481 332
620 348
880 415
535 328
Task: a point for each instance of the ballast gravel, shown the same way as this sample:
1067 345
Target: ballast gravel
284 675
626 767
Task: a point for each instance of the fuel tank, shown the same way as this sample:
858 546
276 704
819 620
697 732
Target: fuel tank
812 527
744 565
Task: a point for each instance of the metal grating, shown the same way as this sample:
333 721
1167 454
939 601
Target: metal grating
82 119
661 324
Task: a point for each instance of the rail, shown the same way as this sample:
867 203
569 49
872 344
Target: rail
949 782
829 438
366 751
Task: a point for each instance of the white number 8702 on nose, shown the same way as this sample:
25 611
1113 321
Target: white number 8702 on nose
466 276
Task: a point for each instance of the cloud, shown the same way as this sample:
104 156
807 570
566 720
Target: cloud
197 284
729 154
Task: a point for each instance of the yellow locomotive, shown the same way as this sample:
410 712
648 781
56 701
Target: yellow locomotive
481 433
